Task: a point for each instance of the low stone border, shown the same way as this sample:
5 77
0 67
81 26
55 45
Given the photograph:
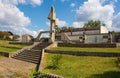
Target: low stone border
53 76
102 45
4 42
16 42
55 44
80 53
11 47
6 54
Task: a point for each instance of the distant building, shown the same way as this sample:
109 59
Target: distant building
6 35
87 35
26 38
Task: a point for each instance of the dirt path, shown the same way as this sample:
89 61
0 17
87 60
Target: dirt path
9 66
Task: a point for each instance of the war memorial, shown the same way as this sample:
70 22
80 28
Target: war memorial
41 49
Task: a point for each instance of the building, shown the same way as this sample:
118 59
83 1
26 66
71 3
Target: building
87 35
6 35
26 38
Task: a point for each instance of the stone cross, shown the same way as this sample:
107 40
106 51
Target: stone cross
53 24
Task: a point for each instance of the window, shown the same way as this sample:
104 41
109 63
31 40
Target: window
105 36
80 37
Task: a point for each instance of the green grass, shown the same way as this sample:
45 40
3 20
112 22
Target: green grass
16 75
1 56
14 45
8 49
87 49
14 49
3 40
1 76
84 67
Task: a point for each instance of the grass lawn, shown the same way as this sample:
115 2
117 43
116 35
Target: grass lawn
3 47
14 45
8 49
87 49
1 56
84 66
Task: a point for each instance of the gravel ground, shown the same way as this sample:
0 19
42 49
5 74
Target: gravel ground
9 67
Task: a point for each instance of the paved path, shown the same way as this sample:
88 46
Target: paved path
9 66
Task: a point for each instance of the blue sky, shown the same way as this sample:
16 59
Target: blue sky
30 16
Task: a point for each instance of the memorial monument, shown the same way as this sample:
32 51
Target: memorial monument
53 24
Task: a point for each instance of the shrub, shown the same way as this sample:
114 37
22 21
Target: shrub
56 61
118 62
37 74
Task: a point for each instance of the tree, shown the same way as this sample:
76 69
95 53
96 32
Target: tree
70 28
93 23
64 28
57 29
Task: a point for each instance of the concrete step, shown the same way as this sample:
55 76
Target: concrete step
28 56
33 55
31 61
24 53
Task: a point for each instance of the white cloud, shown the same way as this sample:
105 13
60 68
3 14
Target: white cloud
15 2
72 4
116 22
12 16
93 9
78 24
12 19
60 23
63 0
48 23
36 2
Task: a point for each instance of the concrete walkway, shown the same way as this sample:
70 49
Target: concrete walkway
9 66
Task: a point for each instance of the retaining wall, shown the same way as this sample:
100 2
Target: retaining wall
4 54
107 45
15 42
81 53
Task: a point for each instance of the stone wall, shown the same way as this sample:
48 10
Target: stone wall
82 53
105 45
15 42
4 54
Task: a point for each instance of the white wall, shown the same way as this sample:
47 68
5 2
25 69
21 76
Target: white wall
96 39
92 32
103 29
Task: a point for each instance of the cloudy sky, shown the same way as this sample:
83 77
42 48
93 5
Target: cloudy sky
30 16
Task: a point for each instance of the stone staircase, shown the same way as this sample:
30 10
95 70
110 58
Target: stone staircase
32 55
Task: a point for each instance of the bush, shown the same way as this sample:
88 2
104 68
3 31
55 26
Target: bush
56 61
37 74
118 62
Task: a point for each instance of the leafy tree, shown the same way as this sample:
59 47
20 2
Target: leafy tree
70 28
57 29
64 28
93 23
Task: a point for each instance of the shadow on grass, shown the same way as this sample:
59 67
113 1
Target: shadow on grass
117 62
110 74
51 67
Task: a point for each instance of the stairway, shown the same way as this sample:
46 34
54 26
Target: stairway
33 55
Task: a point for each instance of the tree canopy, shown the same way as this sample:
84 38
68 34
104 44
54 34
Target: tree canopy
92 23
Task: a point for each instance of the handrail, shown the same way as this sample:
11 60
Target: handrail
67 38
39 35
